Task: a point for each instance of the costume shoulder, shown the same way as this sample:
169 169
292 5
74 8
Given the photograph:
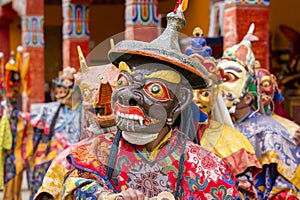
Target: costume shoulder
53 180
223 136
207 173
92 153
288 124
262 124
240 141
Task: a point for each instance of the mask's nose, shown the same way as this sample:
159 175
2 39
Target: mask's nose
129 97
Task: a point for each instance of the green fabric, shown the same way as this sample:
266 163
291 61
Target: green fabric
252 88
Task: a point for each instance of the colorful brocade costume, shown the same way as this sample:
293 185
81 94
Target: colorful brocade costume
19 154
275 148
205 175
148 157
19 147
215 129
290 126
53 180
236 151
49 144
278 155
94 124
57 125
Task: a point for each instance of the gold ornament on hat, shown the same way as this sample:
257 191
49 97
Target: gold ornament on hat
164 48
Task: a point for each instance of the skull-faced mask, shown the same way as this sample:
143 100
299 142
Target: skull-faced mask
149 96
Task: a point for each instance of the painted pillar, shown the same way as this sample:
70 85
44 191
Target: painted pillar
32 37
75 31
141 20
238 15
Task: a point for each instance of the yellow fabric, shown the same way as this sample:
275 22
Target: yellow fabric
283 169
12 190
17 150
12 67
53 181
218 139
42 148
268 158
289 125
5 144
155 151
29 141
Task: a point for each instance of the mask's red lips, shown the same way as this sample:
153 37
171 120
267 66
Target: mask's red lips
131 110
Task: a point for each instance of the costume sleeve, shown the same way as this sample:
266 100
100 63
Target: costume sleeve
83 185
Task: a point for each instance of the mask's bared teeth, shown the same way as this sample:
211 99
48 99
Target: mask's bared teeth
136 117
141 120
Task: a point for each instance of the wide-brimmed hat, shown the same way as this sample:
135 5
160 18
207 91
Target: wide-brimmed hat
165 49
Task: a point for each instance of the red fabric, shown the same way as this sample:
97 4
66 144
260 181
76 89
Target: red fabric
240 166
201 128
205 176
279 110
284 195
7 81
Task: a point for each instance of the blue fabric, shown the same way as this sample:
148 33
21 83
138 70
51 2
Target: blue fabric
278 96
266 179
198 115
88 190
269 137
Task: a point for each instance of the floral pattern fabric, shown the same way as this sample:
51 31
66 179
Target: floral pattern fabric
53 180
237 152
20 153
205 175
277 153
66 131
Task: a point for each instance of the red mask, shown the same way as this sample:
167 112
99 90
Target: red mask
266 84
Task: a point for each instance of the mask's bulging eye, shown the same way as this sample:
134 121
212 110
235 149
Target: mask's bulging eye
266 84
157 91
228 77
86 93
231 77
205 93
122 81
